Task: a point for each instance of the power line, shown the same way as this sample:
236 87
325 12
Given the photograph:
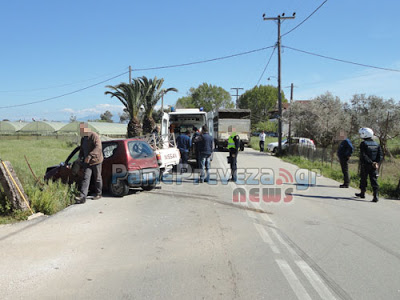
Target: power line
266 65
144 69
57 86
66 94
305 19
341 60
203 61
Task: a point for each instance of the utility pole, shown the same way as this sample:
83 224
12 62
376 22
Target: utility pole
279 18
237 95
290 114
130 74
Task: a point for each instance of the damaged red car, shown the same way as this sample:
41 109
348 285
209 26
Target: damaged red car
128 163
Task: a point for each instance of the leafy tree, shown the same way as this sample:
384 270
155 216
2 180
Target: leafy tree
106 117
152 92
382 116
124 117
321 119
208 96
72 119
260 100
185 102
130 96
267 126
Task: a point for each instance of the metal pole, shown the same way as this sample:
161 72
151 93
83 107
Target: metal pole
130 74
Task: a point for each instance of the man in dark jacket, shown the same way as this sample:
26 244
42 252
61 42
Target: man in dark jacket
206 147
344 152
184 143
91 156
370 157
195 139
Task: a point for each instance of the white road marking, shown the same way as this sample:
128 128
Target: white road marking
315 280
266 238
294 282
290 249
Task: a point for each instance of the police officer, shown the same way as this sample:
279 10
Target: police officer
370 157
344 152
233 147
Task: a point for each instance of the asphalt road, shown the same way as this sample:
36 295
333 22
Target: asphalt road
185 240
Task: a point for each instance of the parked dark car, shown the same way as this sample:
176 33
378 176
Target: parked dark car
127 163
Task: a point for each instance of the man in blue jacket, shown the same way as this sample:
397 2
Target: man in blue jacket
206 147
344 152
184 143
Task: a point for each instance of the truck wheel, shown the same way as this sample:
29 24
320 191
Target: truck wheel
119 189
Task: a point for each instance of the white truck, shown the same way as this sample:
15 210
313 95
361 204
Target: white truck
181 120
226 121
164 145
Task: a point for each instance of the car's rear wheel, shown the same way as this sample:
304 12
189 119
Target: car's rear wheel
119 189
274 150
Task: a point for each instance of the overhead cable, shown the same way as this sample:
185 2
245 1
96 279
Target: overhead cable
266 65
301 23
341 60
203 61
66 94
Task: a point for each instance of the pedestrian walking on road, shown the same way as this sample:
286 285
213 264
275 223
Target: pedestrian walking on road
370 157
184 143
91 156
206 148
262 140
344 153
233 147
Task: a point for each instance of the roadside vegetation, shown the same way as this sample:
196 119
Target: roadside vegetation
46 198
330 168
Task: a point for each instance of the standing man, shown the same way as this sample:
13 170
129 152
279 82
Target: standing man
206 147
91 156
344 152
233 147
196 138
262 140
370 157
184 143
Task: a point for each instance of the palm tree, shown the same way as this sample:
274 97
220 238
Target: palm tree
131 97
152 93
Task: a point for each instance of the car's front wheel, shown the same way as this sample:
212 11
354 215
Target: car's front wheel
149 186
274 150
119 189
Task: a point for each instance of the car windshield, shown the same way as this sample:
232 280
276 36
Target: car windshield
140 149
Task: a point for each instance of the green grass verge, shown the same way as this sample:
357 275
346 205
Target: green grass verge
47 198
387 182
254 142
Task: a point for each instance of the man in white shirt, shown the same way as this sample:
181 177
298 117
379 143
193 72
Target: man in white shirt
262 140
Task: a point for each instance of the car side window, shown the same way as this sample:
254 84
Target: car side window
140 149
109 149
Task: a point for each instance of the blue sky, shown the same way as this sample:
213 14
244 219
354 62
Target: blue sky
52 48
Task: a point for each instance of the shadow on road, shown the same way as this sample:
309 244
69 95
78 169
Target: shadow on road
332 198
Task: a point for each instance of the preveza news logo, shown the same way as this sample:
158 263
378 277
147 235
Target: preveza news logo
273 190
